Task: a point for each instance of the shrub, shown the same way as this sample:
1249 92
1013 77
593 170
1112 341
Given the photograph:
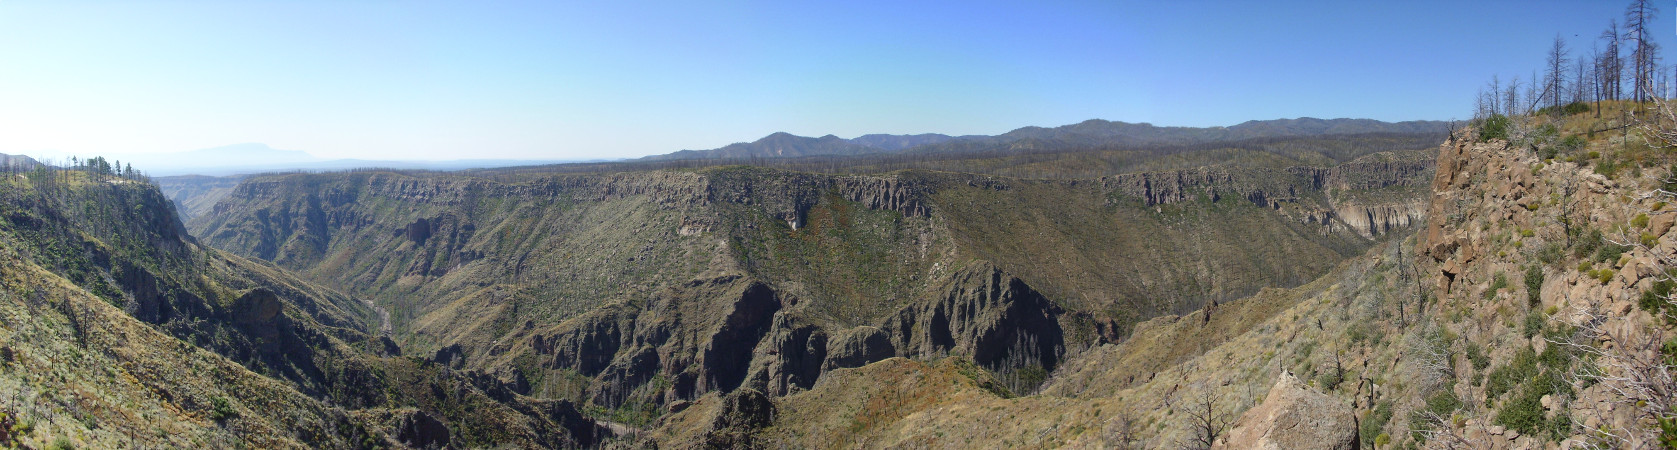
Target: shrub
1533 324
1573 143
1534 284
1654 300
221 410
1551 253
1604 275
1441 404
1330 379
1525 411
1375 422
1608 167
1641 221
1477 356
1609 252
1498 282
1505 378
1588 242
1494 127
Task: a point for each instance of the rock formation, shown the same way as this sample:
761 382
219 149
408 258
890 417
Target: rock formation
1293 417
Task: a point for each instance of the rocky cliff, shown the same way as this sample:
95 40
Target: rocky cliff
1347 195
287 348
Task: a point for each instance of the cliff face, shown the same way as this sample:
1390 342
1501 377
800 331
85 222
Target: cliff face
1568 244
724 333
1337 196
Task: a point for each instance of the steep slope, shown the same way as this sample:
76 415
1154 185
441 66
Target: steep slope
117 240
77 370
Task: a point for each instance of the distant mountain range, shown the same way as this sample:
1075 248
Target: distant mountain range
1092 134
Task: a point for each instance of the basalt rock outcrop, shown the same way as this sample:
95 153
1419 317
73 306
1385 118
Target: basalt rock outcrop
989 315
1319 192
728 332
741 413
1293 417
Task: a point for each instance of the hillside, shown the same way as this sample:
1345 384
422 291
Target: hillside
152 338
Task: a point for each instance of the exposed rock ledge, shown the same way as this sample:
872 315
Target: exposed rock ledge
1293 417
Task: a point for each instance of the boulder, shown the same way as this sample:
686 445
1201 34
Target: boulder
1658 224
1293 417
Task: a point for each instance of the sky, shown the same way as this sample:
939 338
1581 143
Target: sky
555 80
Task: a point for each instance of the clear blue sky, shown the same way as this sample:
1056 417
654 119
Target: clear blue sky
563 80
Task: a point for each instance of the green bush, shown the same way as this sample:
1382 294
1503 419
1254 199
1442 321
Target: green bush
1572 143
1375 422
1329 379
1507 377
221 410
1534 323
1654 300
1441 403
1608 252
1587 243
1608 167
1525 411
1494 127
1498 282
1477 356
1534 284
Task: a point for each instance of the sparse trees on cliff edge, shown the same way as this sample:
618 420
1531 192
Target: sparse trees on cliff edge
1609 64
1554 77
1644 57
